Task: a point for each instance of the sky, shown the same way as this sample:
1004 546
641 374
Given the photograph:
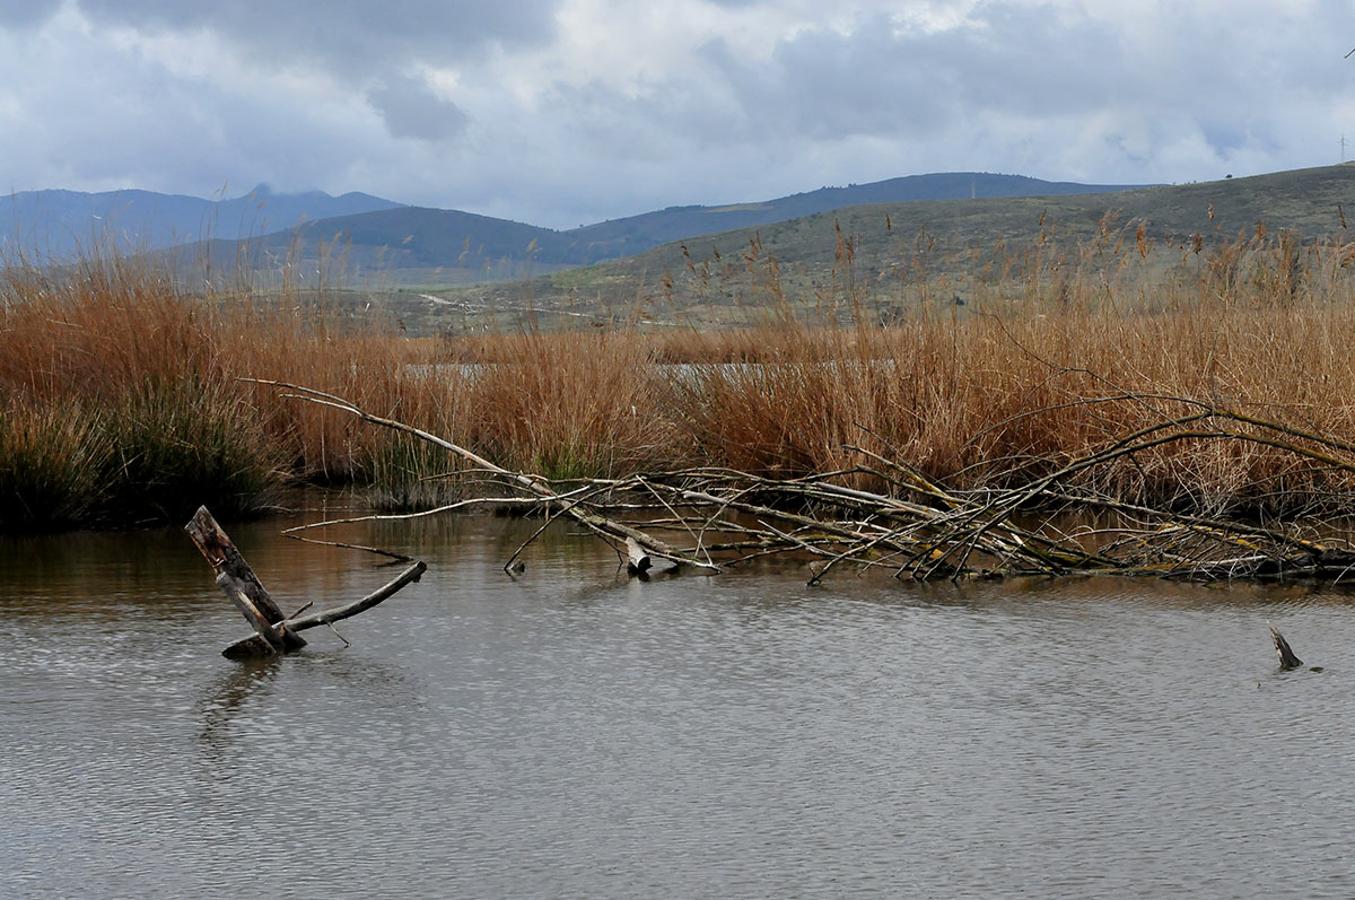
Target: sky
564 112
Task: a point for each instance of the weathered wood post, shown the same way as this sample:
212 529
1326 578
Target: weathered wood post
1288 658
238 581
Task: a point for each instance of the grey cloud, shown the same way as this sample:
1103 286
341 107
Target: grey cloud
411 109
876 81
348 36
1053 92
824 85
27 13
145 128
1013 67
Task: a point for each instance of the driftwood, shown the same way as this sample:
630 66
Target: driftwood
537 488
274 633
638 561
918 527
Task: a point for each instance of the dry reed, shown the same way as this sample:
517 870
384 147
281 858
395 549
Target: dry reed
120 399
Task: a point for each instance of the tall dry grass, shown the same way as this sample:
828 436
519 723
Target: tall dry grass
121 399
1061 353
985 402
120 393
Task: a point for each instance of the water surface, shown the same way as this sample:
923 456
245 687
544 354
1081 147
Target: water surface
571 732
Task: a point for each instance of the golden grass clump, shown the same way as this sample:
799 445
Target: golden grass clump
984 401
574 406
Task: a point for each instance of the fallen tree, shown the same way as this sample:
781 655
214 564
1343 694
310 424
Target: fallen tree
919 528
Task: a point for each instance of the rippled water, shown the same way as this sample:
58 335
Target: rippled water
574 733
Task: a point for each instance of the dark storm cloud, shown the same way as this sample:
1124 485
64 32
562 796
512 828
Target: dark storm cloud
411 109
348 36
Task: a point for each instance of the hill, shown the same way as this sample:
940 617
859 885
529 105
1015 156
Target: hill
407 244
623 237
893 243
56 223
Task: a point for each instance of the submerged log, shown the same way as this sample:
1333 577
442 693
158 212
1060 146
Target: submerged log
638 562
274 633
1288 659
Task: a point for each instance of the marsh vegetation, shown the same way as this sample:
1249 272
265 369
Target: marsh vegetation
120 398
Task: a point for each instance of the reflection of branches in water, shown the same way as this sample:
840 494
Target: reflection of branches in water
223 700
590 593
363 680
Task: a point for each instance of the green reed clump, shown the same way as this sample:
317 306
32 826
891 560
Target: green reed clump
405 473
178 445
53 463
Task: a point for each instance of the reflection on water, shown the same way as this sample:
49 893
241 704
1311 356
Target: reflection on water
569 731
228 695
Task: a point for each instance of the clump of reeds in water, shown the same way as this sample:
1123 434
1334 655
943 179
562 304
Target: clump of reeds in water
52 465
1067 354
120 400
112 405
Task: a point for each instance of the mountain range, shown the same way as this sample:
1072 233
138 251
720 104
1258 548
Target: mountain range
441 269
55 224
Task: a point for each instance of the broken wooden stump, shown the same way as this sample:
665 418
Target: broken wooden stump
1288 659
640 564
274 633
275 640
238 581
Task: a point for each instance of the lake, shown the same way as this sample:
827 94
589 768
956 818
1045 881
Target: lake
571 732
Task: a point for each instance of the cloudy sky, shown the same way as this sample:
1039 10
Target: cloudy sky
560 112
